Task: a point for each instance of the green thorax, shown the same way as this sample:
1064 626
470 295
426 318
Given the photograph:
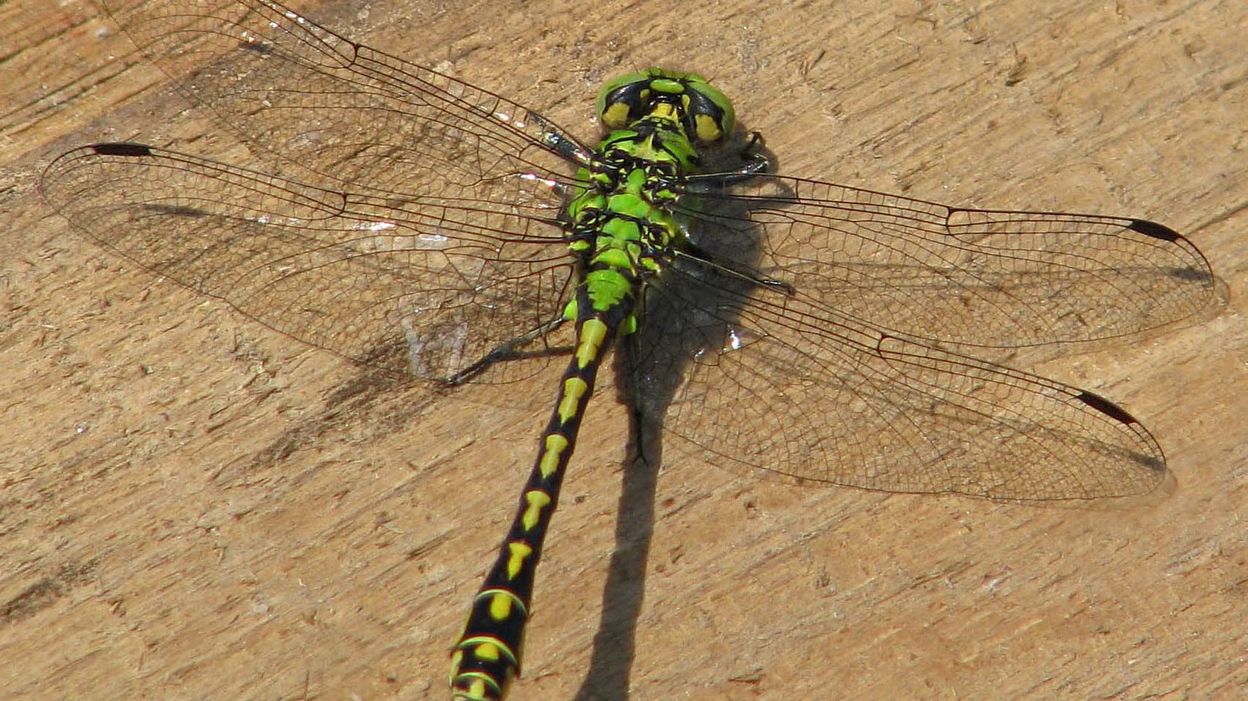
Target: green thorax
622 214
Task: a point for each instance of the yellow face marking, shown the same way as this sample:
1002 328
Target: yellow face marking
663 109
573 389
537 500
519 553
593 333
555 445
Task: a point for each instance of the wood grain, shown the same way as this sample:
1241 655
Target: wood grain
194 507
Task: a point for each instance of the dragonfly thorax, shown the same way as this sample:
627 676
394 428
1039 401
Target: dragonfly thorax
623 221
623 226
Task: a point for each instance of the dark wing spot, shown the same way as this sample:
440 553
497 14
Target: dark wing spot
122 149
1152 228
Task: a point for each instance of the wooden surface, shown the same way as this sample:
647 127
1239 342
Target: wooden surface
194 507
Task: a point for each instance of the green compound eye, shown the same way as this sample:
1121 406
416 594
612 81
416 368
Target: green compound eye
704 112
712 112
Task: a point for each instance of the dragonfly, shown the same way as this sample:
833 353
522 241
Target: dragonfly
440 231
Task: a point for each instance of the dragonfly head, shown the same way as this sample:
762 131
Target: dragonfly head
703 112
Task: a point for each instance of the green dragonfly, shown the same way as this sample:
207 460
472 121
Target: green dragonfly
793 325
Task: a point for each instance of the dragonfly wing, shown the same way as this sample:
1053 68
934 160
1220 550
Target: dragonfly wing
754 376
996 279
352 114
415 285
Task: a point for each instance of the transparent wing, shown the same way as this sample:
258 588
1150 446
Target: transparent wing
349 113
943 274
420 285
807 345
780 383
818 339
437 241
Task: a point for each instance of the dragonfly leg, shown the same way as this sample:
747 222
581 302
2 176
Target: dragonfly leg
563 145
512 349
753 164
734 269
754 161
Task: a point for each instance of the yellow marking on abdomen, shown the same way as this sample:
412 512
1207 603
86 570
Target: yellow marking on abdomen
478 688
537 500
573 389
593 333
519 553
555 445
486 651
487 647
501 603
457 658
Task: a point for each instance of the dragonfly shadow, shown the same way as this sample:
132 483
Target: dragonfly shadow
369 406
688 320
614 644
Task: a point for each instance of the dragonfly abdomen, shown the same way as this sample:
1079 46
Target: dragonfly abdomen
488 654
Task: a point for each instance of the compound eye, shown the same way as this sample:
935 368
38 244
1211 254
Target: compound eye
623 105
708 120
